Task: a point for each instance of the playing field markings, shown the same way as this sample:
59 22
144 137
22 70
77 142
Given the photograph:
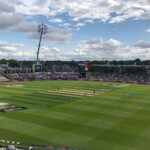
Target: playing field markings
61 94
75 92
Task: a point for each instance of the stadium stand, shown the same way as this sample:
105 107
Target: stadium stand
3 78
124 73
62 68
116 73
34 147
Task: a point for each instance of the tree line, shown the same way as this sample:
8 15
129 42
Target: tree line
25 63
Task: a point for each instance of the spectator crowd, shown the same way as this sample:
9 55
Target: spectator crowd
136 74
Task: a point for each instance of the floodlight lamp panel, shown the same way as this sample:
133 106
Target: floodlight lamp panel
42 29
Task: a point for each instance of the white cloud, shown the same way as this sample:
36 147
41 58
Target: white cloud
14 51
113 11
14 21
6 6
143 44
113 42
66 24
8 20
56 20
148 30
9 47
50 50
96 49
53 35
14 15
80 24
54 53
30 29
92 49
89 21
75 19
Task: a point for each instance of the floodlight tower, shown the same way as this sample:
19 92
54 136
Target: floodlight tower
42 29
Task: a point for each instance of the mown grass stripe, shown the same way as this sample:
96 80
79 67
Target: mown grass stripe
47 134
8 134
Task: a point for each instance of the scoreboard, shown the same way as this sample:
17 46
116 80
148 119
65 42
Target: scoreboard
37 67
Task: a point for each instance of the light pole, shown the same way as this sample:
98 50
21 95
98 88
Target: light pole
42 29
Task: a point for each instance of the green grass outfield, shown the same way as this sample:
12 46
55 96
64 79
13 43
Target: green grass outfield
118 119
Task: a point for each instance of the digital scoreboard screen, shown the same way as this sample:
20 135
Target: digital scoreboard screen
37 67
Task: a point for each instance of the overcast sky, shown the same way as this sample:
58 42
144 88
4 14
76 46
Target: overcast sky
77 29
